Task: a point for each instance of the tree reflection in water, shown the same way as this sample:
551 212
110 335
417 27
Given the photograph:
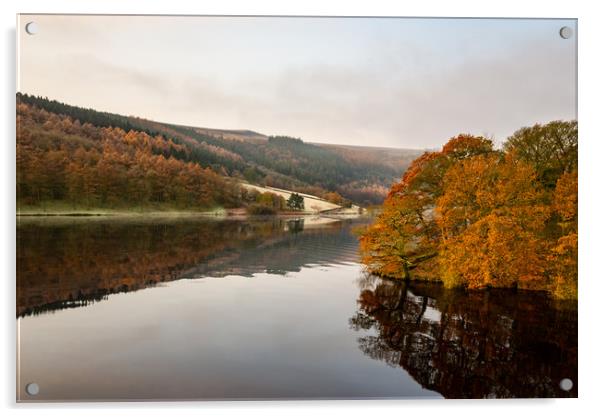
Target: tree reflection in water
477 344
69 263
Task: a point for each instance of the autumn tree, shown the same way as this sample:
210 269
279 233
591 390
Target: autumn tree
563 257
334 198
491 216
475 217
405 237
267 203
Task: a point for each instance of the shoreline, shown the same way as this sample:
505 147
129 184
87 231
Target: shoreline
234 213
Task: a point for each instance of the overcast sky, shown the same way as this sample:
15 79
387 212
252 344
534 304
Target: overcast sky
408 83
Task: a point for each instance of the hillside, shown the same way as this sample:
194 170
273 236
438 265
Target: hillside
360 174
312 204
393 158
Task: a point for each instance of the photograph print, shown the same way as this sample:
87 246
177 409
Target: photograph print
286 208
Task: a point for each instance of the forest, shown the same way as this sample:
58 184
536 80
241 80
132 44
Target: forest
474 216
278 161
60 159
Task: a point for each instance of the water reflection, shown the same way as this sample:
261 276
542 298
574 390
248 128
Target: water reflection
272 336
67 263
269 337
495 344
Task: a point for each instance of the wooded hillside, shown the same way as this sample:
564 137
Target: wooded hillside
279 161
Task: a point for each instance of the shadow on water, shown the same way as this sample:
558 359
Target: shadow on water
66 263
476 344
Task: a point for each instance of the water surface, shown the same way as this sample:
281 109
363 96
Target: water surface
112 309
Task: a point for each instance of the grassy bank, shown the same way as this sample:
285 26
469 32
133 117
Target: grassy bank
63 209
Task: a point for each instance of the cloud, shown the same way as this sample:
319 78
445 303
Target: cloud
385 92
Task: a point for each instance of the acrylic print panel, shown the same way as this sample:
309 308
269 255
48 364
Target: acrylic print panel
295 207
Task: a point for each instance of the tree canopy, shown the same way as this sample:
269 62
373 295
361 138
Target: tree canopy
473 216
296 202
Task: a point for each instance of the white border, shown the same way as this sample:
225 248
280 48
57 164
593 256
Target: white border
590 155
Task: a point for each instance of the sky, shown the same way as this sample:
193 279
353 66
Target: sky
389 82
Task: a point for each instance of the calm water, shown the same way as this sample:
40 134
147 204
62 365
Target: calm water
113 309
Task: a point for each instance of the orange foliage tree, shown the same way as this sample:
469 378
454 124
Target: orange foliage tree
475 217
563 257
491 216
405 236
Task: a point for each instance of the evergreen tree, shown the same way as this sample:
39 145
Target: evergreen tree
296 202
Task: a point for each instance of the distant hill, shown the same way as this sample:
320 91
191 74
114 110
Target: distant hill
360 174
242 135
393 158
